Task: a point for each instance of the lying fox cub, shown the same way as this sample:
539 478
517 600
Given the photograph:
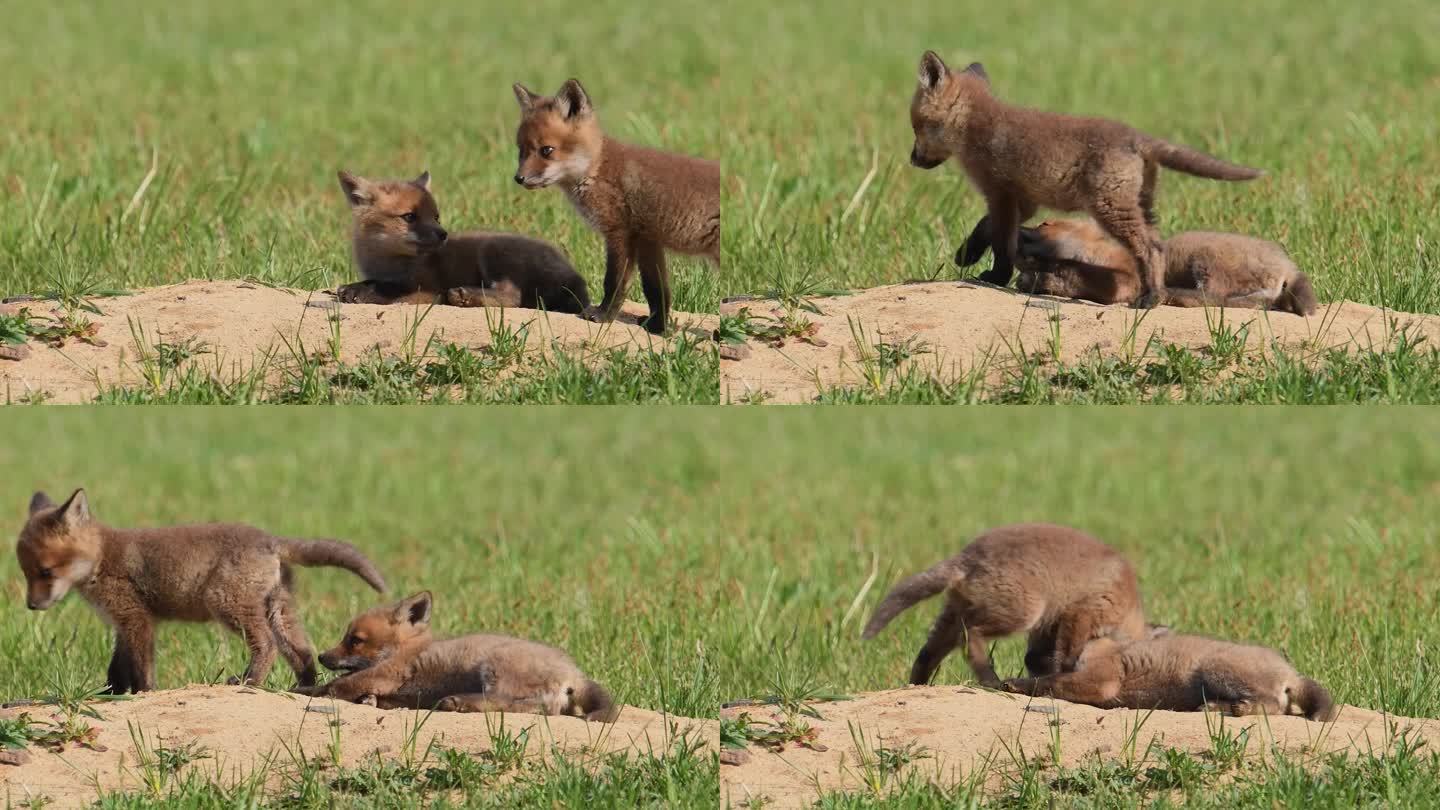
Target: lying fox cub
391 661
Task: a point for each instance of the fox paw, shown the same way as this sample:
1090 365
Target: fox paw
308 691
598 315
652 325
367 700
458 297
1148 300
358 293
996 278
452 704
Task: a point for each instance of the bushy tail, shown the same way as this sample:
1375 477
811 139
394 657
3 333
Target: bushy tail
1191 161
595 703
1299 296
333 553
911 590
1314 700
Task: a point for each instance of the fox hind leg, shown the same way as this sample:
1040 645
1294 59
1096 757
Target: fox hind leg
944 636
291 640
655 278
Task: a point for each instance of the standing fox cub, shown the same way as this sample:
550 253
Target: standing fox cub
236 575
1021 159
642 201
1077 259
1059 585
404 256
1185 674
391 660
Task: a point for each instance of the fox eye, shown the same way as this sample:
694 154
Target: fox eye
547 151
408 216
46 573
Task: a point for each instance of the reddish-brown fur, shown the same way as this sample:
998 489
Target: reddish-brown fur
391 660
236 575
1185 674
1075 258
1057 584
405 256
1021 159
643 202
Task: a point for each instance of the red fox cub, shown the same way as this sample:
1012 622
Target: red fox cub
404 256
1059 585
1075 258
391 660
236 575
642 201
1185 674
1021 159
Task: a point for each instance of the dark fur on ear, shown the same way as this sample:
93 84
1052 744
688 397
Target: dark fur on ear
415 609
524 96
356 188
571 100
423 181
39 502
977 69
933 71
76 510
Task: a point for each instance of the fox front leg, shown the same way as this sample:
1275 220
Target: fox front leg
619 261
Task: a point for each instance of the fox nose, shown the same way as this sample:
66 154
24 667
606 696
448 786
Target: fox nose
32 604
914 157
519 180
441 235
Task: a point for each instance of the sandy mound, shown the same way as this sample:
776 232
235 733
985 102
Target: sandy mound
960 322
960 726
237 727
236 323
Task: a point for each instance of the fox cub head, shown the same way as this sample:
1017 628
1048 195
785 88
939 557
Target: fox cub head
941 106
394 218
379 632
59 548
559 136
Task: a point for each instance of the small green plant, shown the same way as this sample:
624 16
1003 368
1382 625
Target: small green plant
17 732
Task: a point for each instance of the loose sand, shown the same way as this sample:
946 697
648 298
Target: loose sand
237 323
958 727
237 727
960 322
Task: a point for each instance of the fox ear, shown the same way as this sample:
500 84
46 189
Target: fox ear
76 511
572 100
423 181
357 189
524 96
414 610
933 71
39 502
977 69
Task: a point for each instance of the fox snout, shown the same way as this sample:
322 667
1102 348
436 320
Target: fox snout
429 236
923 161
40 601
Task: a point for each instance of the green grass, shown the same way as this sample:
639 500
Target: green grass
1404 371
1307 529
245 110
1334 100
581 531
471 508
717 554
508 371
1402 774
